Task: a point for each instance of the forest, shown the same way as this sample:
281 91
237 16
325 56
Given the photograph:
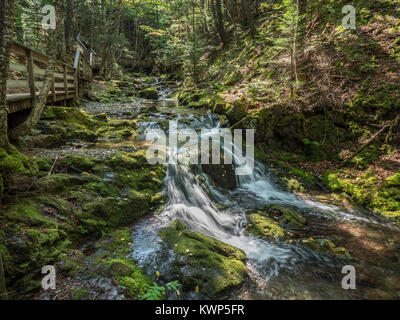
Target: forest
278 172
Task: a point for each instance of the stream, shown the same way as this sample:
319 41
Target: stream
278 269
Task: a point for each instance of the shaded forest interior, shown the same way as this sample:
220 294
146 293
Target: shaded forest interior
323 99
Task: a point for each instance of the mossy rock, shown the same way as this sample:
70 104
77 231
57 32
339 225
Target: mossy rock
218 104
148 93
261 226
223 175
237 112
213 266
14 162
28 213
79 162
325 246
288 218
60 182
131 278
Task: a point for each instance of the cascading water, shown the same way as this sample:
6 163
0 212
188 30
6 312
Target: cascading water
198 205
191 204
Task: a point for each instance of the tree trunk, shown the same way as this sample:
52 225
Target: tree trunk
6 34
37 109
3 291
219 22
67 26
299 41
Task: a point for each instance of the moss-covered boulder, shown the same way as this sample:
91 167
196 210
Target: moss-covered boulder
130 277
79 162
218 104
237 112
148 93
325 246
288 218
203 262
261 226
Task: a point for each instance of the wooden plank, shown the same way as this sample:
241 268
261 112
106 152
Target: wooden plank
59 75
17 84
18 67
38 84
71 85
31 76
59 85
18 49
39 72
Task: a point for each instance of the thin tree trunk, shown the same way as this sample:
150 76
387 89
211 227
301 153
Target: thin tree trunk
6 34
37 109
3 290
68 25
299 41
219 22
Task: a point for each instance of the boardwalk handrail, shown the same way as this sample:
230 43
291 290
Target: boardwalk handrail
67 82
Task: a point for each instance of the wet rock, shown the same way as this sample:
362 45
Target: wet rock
148 93
209 264
261 226
288 218
325 246
223 175
237 112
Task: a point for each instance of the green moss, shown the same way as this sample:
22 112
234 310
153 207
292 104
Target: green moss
393 181
215 266
60 182
365 191
261 226
44 165
288 218
325 246
80 162
148 93
28 213
14 162
79 294
237 112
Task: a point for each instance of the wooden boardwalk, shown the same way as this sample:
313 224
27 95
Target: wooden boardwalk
28 66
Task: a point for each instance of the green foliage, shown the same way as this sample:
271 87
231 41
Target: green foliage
155 292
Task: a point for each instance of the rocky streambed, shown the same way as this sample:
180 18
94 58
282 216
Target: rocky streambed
116 227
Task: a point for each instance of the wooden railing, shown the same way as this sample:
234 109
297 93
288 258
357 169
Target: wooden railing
27 70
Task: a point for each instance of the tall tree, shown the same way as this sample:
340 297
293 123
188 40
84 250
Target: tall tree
6 34
219 20
51 52
299 41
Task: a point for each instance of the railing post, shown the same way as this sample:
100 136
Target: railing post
65 84
31 75
53 88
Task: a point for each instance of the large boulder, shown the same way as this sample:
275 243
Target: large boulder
149 93
237 112
223 175
203 264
